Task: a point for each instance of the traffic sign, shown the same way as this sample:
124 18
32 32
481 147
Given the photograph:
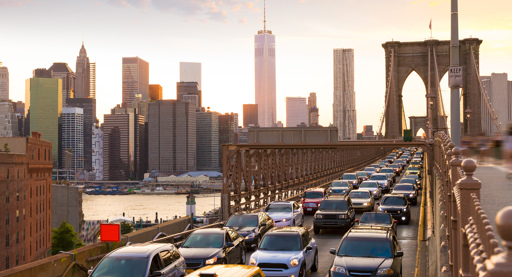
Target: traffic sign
455 77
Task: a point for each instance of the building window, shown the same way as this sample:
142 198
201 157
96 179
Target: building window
18 192
18 173
17 237
23 238
32 152
17 259
23 213
7 174
7 196
17 216
6 262
7 218
7 240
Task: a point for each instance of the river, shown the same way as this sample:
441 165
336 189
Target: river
102 207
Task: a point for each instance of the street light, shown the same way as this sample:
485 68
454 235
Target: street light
468 112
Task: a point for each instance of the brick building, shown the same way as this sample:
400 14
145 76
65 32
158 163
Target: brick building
25 199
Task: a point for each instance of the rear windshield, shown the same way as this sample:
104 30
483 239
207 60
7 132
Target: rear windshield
333 205
351 176
379 177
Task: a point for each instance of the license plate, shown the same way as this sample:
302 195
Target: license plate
190 271
309 209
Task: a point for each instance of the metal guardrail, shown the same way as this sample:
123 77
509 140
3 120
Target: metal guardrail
468 243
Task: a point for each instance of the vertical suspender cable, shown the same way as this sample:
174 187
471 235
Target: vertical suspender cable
387 90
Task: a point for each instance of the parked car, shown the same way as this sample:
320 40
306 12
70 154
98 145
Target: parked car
408 190
373 187
145 259
362 199
334 212
351 177
311 199
287 251
285 213
382 180
252 226
365 251
212 246
396 205
378 219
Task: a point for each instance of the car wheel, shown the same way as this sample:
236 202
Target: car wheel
242 256
302 272
314 267
316 230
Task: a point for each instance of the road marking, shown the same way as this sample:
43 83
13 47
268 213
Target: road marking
422 219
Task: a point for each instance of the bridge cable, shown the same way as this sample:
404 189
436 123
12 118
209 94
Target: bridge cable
387 91
440 102
484 91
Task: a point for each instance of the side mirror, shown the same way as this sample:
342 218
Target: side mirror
254 246
399 254
156 273
309 248
229 245
89 272
332 251
179 244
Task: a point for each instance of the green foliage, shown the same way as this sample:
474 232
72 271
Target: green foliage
6 148
65 238
126 228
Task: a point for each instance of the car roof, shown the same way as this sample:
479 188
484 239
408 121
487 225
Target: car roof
395 195
141 249
336 197
210 230
316 189
362 231
282 202
288 229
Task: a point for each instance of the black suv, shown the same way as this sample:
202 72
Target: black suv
396 205
367 251
335 211
252 226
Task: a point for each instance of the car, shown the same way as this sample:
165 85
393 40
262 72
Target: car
413 170
339 187
416 162
396 205
311 199
378 219
251 226
212 246
335 212
370 170
391 171
409 181
408 190
367 251
373 187
363 175
231 270
285 213
376 166
351 177
142 259
286 251
397 167
362 199
415 177
382 179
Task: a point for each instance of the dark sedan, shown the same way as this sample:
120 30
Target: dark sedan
378 219
213 246
252 226
408 190
397 206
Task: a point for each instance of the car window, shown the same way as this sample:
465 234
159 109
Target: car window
360 194
113 265
305 240
204 240
279 242
242 221
228 238
278 208
379 177
406 187
313 194
381 218
365 247
333 205
168 257
233 235
295 206
155 265
394 201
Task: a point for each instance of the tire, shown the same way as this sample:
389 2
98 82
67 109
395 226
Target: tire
242 256
314 267
302 272
316 230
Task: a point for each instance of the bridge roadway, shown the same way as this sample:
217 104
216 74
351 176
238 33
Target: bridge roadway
327 239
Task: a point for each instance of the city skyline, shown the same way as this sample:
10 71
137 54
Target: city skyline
304 47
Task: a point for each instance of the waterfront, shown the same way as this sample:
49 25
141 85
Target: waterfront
102 207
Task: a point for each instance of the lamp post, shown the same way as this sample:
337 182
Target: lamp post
468 112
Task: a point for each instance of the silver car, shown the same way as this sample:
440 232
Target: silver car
145 259
285 213
287 251
373 187
362 200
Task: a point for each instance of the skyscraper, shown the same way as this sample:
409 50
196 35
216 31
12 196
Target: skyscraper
207 140
172 137
73 136
344 96
83 75
296 111
4 82
228 131
265 76
65 73
155 92
43 107
312 110
190 72
119 144
89 112
250 115
92 84
135 80
499 91
190 92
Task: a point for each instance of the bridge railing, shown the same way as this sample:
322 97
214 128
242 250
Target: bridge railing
468 243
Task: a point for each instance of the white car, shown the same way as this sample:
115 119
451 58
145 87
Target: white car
285 213
373 187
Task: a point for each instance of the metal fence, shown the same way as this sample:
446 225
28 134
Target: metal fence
468 244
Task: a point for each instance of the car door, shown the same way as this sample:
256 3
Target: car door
239 245
297 215
230 252
309 255
155 264
169 264
351 211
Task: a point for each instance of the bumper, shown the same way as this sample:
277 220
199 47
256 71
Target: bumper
332 223
281 272
401 217
360 207
310 210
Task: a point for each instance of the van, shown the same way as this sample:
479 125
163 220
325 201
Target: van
228 270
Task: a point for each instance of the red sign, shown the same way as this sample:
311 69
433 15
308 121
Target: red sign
110 232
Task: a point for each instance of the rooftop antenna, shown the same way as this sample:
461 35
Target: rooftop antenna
264 17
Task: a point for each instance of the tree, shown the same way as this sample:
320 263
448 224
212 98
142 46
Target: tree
65 238
126 228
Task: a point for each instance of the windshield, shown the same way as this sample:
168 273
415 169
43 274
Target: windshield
351 176
404 187
387 170
379 218
360 194
361 173
408 181
369 169
411 176
369 185
121 266
333 205
278 208
313 194
339 190
365 247
278 242
379 177
394 201
243 221
204 240
339 184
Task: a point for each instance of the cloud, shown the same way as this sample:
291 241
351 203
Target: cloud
13 3
242 20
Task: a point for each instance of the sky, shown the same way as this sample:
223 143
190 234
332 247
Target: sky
220 35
